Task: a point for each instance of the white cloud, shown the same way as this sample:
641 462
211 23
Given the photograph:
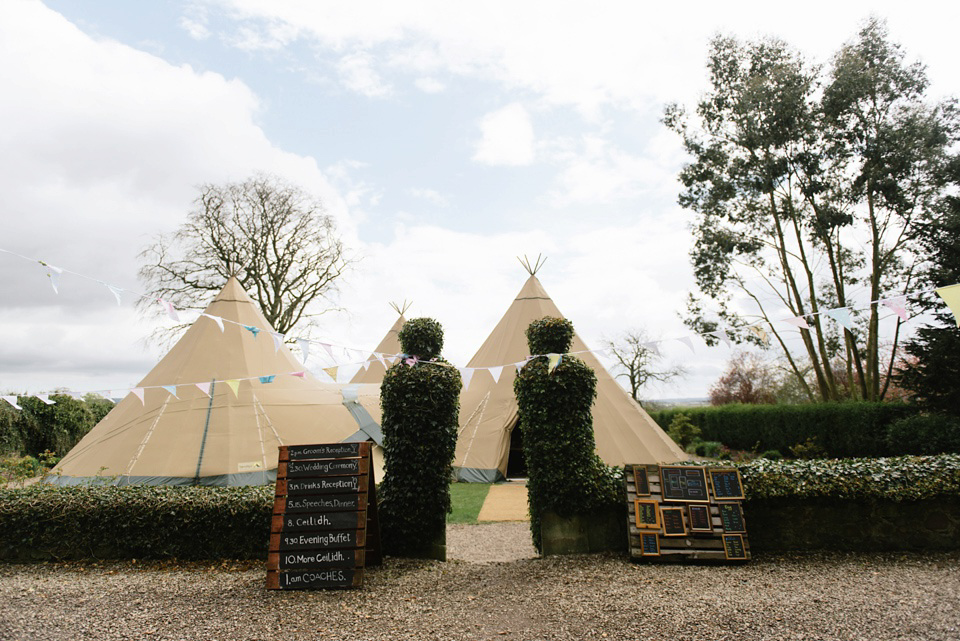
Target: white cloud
430 195
429 85
506 137
357 74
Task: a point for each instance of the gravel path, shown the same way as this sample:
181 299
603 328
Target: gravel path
802 596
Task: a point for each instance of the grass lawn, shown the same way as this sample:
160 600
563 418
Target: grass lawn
467 499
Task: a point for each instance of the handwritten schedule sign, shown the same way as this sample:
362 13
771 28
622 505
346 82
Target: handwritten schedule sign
324 528
731 516
673 521
640 480
700 520
733 546
726 483
647 514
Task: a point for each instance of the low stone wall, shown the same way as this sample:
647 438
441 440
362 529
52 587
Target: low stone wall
856 525
581 534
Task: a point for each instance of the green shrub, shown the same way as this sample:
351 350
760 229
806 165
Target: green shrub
44 522
710 449
421 408
841 429
925 434
565 475
682 431
772 455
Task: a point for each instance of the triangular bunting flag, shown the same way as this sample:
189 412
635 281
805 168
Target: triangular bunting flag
138 392
45 399
951 296
53 273
234 385
277 341
686 340
391 359
466 375
172 389
366 364
216 319
116 291
841 315
298 374
171 312
304 347
552 361
203 387
797 321
653 346
723 336
760 333
331 372
253 330
898 306
495 372
13 401
267 379
328 349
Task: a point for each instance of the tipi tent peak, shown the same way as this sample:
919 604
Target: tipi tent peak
373 373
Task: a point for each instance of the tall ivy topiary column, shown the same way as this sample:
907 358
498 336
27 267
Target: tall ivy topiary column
420 397
566 477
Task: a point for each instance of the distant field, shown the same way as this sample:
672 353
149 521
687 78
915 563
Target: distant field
467 499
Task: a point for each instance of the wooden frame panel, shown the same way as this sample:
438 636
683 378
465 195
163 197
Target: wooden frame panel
646 514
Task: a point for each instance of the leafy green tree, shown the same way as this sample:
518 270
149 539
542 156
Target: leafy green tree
809 185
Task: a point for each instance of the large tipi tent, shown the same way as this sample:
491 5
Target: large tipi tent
178 434
390 345
624 432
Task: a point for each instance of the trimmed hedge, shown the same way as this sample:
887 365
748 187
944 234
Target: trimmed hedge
842 430
44 522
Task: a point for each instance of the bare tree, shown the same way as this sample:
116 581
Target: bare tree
640 361
274 237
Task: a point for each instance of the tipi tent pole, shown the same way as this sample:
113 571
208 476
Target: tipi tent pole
206 428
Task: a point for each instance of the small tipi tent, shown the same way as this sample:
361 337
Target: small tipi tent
183 432
624 432
373 373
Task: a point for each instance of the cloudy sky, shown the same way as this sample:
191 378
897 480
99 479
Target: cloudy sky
446 138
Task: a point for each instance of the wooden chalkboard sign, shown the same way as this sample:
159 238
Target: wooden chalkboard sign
726 483
684 483
681 519
673 521
700 520
647 514
641 481
733 547
324 529
731 518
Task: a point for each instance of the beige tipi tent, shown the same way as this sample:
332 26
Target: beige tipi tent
373 373
178 434
624 432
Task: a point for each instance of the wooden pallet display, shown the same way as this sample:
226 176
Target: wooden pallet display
324 530
685 514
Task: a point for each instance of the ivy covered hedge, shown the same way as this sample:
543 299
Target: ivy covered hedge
44 522
837 430
39 427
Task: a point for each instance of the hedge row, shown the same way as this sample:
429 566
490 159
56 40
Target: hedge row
43 522
39 427
838 430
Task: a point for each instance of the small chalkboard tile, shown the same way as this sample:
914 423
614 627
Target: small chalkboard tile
327 578
314 559
684 483
330 450
649 544
726 483
322 502
700 520
731 517
733 547
318 522
334 467
673 521
283 541
647 514
640 480
322 485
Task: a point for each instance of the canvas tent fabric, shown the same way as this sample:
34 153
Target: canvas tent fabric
373 374
623 431
225 438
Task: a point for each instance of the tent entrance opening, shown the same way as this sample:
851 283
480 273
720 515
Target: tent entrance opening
516 462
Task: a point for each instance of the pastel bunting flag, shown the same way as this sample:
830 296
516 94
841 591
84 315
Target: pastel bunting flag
553 360
841 315
495 372
331 372
203 387
898 305
686 340
366 364
391 359
298 374
723 336
13 401
379 357
277 341
653 346
760 333
951 296
797 321
216 319
466 375
304 348
116 291
53 273
171 312
138 392
45 399
328 349
172 389
267 379
253 330
519 364
234 386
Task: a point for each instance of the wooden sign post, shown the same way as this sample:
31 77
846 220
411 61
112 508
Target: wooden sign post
680 513
324 528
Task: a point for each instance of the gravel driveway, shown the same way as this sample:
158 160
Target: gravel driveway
800 596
